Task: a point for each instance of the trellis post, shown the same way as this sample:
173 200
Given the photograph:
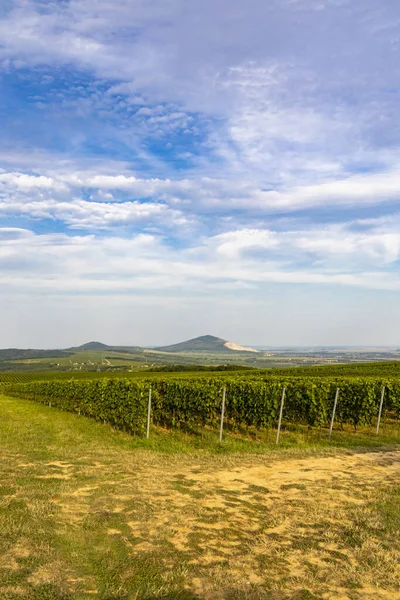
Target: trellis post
222 414
334 411
148 416
280 415
380 409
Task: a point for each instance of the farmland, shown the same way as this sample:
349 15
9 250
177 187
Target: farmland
252 401
90 508
88 512
193 400
388 369
205 351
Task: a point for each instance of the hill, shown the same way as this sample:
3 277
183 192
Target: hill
99 347
25 354
92 347
205 343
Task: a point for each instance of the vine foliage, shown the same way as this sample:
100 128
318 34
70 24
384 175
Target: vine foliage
188 403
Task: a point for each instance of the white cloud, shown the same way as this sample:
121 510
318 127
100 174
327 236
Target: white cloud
95 215
230 244
24 181
61 263
117 198
251 134
332 247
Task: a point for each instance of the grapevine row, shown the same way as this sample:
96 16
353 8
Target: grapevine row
197 402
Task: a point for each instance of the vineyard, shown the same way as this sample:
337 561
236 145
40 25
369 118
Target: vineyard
196 402
384 370
26 377
376 369
23 377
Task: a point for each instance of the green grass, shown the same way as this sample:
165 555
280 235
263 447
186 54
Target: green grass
87 512
249 440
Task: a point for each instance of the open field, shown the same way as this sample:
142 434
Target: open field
389 369
87 512
138 361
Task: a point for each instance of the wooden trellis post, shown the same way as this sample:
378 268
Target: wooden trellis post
148 416
222 414
333 413
380 410
280 416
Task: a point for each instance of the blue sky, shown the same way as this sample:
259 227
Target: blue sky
172 168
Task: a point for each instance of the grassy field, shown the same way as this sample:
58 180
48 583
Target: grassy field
87 512
106 360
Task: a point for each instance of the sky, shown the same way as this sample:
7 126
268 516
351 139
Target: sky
175 168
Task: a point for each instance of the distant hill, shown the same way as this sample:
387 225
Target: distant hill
99 347
92 347
205 343
20 354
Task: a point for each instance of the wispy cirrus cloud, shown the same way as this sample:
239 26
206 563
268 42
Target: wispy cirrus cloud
208 148
58 195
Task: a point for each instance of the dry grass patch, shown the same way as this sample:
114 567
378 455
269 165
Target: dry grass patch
96 519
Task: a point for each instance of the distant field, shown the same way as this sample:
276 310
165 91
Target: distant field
108 360
86 512
87 359
376 369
